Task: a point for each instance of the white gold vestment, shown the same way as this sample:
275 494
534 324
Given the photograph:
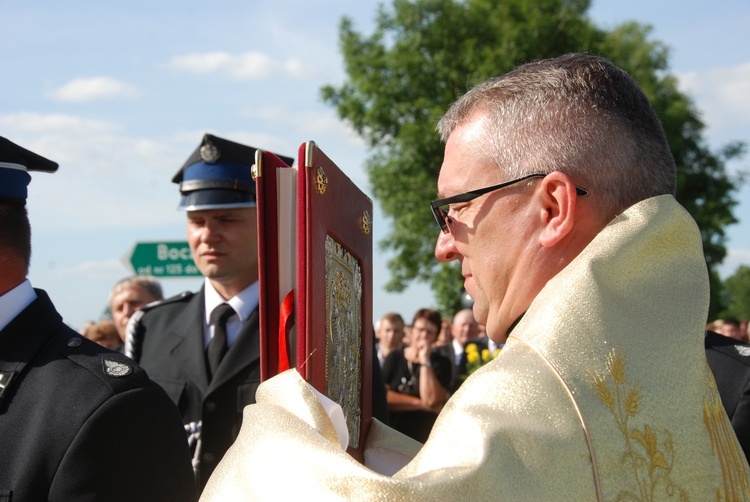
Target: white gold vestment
602 392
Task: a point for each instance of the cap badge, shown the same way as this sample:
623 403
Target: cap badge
209 153
116 369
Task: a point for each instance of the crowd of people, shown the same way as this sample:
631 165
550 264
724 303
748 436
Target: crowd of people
579 373
443 348
731 327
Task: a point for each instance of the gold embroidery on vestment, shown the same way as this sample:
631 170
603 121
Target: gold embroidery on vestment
725 448
650 458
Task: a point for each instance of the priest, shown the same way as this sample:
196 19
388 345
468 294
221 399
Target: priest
557 202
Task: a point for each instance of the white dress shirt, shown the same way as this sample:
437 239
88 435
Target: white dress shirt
14 301
243 304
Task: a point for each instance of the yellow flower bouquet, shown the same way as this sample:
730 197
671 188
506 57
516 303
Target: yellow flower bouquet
475 358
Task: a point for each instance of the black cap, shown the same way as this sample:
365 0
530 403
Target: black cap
218 174
15 162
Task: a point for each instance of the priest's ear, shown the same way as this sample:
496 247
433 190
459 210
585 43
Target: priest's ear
558 197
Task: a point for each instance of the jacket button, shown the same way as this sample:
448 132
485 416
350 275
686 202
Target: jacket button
210 407
209 458
74 342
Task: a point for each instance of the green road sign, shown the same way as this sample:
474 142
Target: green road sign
163 259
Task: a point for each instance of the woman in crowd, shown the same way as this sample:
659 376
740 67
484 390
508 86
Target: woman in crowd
417 379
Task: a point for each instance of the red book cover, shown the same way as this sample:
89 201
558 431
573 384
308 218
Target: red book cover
266 188
329 335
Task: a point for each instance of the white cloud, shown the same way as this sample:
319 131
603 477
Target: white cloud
106 178
722 95
57 136
208 62
93 89
308 123
38 123
735 257
105 268
334 136
251 65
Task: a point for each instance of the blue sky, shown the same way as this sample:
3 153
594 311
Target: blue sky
120 93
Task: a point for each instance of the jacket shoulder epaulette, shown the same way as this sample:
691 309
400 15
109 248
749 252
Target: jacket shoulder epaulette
178 298
134 332
115 370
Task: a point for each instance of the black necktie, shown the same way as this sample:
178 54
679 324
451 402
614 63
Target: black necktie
217 347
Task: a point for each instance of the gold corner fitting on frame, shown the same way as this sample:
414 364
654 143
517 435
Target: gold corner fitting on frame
321 181
366 222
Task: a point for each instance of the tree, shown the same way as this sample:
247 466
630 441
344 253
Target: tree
424 54
738 293
703 186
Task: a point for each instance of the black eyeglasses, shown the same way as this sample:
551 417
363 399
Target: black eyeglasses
441 212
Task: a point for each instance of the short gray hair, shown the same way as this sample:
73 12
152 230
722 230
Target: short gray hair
578 114
145 281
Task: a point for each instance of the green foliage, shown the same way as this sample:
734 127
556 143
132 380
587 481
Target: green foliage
424 54
738 294
703 186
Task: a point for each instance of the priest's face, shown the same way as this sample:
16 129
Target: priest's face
492 236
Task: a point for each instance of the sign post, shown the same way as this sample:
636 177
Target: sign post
163 259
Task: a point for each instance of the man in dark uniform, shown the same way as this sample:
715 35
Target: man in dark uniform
206 360
729 360
77 421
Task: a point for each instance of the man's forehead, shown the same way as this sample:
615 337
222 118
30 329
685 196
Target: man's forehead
215 213
465 160
132 290
459 177
423 323
463 317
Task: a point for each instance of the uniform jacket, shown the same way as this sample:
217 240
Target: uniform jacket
601 392
168 344
80 422
729 360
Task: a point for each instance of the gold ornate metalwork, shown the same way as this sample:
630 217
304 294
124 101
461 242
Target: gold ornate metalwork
650 459
366 222
257 169
343 278
321 181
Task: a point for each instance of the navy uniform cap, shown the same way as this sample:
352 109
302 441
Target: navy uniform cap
218 175
15 164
